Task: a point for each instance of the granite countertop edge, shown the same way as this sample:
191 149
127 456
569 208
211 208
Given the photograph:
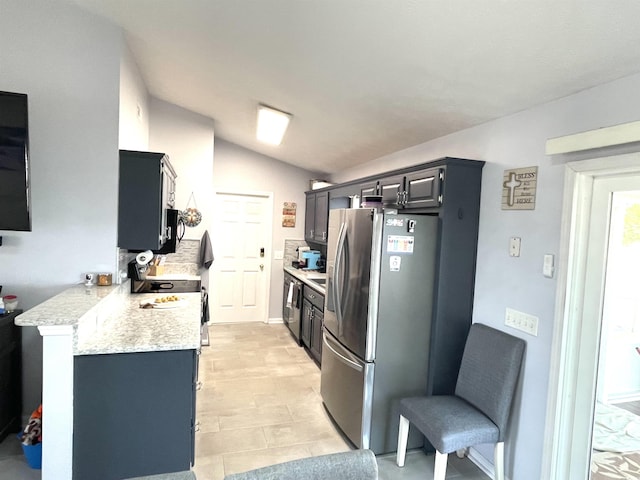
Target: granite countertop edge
109 320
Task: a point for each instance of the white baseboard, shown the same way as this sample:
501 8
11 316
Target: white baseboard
623 398
275 320
482 463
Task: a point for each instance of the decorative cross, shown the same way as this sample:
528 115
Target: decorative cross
512 184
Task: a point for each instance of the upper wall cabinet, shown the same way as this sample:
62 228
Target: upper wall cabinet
441 185
168 185
316 217
368 188
146 190
422 189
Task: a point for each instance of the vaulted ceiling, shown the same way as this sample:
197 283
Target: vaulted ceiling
364 78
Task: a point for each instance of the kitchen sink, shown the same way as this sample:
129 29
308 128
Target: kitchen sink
319 281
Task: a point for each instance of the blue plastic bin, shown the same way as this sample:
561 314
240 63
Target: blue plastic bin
33 454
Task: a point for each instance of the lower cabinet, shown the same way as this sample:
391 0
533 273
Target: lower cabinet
311 326
134 414
10 375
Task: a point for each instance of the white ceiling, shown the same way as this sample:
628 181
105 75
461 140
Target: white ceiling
364 78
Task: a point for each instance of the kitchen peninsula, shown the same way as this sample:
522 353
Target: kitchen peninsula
113 368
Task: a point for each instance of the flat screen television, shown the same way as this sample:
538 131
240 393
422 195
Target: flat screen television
15 194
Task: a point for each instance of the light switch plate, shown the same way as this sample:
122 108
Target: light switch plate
521 321
278 255
547 266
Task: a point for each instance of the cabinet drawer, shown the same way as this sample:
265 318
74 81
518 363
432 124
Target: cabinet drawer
314 297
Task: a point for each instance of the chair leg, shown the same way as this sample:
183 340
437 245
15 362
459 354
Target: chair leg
498 461
440 471
403 435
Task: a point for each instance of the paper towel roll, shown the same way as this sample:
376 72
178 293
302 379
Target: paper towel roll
144 257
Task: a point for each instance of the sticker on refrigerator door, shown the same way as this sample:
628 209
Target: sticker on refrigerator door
394 263
395 222
399 244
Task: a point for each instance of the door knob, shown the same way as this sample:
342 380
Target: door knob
261 266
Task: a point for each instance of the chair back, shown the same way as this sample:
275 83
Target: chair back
489 372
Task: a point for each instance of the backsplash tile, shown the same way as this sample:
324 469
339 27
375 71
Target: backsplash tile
185 260
290 253
187 251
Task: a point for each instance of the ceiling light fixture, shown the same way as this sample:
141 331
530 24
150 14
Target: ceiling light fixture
272 124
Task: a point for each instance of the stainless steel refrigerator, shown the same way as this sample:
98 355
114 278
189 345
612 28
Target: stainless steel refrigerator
377 320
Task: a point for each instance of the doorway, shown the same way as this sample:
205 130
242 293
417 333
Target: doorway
241 246
616 428
590 188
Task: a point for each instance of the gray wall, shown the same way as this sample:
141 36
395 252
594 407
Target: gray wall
73 127
187 138
503 281
133 125
238 169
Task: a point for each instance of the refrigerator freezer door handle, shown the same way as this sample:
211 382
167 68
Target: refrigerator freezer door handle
342 358
337 286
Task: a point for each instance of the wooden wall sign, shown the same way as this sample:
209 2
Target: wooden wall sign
289 214
519 189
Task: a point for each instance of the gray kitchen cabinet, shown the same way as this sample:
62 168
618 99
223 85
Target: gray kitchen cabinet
422 188
312 317
10 375
169 185
368 188
146 190
316 217
305 323
134 414
412 190
310 217
391 189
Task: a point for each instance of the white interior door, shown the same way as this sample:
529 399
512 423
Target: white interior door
240 246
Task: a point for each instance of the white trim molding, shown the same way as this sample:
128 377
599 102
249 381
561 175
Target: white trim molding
57 401
568 425
591 139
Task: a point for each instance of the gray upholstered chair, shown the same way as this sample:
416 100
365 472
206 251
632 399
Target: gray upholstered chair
478 411
352 465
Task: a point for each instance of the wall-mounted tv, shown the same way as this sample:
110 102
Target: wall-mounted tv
15 192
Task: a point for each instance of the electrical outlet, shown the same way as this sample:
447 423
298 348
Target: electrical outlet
514 246
521 321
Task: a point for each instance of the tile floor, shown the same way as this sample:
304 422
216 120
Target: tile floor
259 404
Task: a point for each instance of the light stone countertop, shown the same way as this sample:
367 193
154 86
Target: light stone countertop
308 276
110 320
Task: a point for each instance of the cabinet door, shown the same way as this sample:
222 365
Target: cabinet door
305 324
310 217
118 400
369 188
316 334
168 185
321 217
391 189
10 375
141 213
423 188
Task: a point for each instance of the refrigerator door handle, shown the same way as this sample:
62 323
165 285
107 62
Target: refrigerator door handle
342 358
337 285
